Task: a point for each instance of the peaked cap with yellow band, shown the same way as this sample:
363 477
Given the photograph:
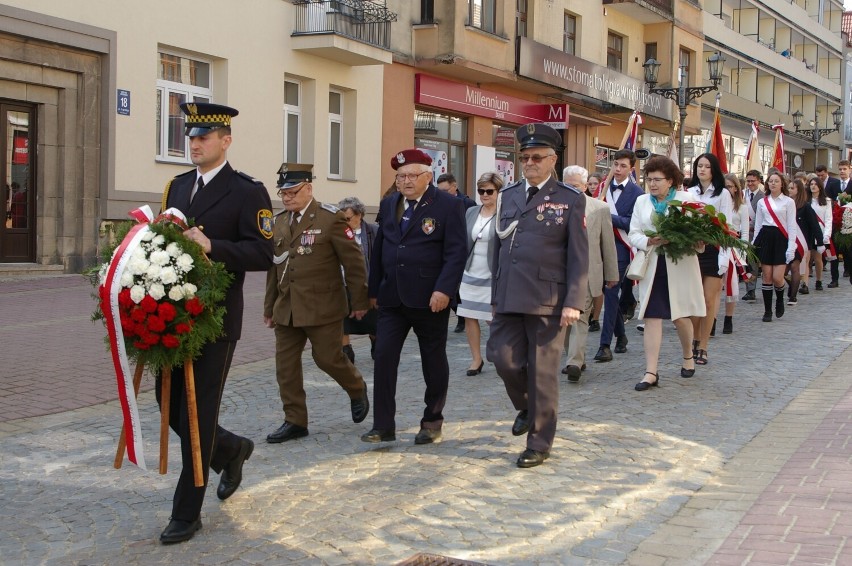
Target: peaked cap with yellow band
204 117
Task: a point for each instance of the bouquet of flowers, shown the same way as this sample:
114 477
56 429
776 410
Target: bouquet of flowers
687 224
168 293
842 223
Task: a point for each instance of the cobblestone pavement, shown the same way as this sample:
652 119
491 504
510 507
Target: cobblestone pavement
681 474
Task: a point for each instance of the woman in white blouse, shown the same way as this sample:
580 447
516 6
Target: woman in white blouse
669 290
708 186
775 230
738 222
822 207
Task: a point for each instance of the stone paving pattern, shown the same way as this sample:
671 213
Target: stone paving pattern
746 463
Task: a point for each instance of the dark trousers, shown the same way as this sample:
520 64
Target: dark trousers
847 266
218 446
613 323
526 351
626 299
391 331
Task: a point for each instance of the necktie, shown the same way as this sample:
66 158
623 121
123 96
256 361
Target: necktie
295 218
408 214
616 188
198 187
531 193
750 196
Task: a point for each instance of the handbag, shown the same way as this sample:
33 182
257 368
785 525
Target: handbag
639 265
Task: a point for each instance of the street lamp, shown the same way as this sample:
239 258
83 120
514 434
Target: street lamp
816 133
683 95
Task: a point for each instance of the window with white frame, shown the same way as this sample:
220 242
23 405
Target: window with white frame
179 79
335 134
292 121
482 14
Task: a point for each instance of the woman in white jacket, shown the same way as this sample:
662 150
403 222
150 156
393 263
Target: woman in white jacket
669 290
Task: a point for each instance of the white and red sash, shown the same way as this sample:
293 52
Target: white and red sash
620 233
799 247
830 252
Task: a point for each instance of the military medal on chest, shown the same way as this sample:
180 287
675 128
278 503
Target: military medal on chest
307 241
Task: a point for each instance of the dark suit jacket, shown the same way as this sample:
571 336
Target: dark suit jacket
624 206
407 267
236 214
832 187
544 266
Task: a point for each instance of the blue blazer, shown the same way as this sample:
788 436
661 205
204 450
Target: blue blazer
624 207
407 267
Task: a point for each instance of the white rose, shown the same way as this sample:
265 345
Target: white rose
157 291
168 275
184 262
160 257
137 293
138 266
173 249
176 293
139 253
189 290
158 240
126 280
153 273
148 236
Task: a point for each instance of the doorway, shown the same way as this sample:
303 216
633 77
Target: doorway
17 182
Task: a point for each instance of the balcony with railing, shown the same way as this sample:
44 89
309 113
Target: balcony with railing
353 32
644 11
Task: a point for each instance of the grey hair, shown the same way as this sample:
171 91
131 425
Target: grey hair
572 170
353 203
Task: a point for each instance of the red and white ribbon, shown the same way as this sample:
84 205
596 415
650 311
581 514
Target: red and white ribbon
109 291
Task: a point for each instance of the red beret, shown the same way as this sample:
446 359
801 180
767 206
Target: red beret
409 156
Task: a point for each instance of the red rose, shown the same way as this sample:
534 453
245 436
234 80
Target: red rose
167 311
148 304
156 324
137 315
139 345
124 299
139 329
194 307
128 327
150 338
183 328
170 341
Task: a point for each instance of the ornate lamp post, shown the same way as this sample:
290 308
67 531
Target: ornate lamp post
683 94
816 133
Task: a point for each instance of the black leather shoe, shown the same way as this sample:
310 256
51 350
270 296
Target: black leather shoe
179 531
604 354
232 473
476 371
521 424
530 458
459 325
833 285
645 385
749 296
360 406
621 345
767 317
427 436
349 352
573 373
594 326
376 435
285 432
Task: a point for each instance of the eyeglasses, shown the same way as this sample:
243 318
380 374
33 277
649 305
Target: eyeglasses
287 193
655 179
486 191
409 176
536 158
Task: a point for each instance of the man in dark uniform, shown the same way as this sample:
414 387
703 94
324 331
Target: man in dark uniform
306 299
417 264
233 217
540 275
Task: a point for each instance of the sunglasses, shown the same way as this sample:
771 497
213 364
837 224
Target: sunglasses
485 191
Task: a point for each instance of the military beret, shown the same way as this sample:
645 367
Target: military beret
204 117
293 174
538 135
409 156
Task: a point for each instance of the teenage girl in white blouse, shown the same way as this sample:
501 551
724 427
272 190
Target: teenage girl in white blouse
822 207
739 222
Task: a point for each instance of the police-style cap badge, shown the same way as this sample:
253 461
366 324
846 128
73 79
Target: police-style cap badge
409 156
538 135
294 174
204 117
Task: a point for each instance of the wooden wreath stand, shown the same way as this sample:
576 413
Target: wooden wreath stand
165 399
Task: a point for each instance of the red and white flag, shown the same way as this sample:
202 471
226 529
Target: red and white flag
778 160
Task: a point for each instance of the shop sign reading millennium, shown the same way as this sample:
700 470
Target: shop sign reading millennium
547 65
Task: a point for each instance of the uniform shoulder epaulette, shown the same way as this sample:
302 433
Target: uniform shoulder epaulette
569 187
330 207
185 173
512 186
277 214
248 177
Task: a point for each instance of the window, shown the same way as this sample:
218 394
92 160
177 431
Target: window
521 10
569 35
335 134
650 51
427 11
482 15
684 57
614 51
179 79
292 121
444 138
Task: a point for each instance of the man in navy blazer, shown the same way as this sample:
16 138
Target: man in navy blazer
417 265
621 195
831 184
